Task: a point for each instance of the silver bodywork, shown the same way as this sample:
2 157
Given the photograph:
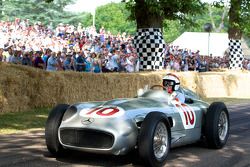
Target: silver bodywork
119 121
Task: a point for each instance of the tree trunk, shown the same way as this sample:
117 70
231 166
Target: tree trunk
148 41
144 18
235 35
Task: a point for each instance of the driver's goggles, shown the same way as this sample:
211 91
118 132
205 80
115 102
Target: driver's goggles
168 83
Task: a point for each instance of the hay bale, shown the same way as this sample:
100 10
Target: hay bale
23 88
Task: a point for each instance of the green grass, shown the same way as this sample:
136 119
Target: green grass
23 121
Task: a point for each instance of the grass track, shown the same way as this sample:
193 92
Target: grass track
23 121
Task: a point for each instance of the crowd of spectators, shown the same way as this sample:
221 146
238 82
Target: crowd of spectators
66 47
85 49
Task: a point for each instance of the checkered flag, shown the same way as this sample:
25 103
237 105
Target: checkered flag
236 54
149 44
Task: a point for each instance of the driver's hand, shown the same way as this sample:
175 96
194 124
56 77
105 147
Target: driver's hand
173 96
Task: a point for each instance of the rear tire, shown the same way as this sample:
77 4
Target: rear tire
217 125
154 139
51 129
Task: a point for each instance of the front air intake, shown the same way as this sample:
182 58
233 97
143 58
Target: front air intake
86 138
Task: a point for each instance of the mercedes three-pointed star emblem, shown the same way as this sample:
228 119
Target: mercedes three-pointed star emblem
87 121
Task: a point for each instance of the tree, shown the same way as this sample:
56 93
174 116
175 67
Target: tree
221 25
239 22
149 16
113 17
239 18
39 10
218 16
151 13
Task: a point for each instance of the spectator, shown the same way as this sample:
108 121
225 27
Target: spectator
60 59
97 65
89 63
114 61
80 62
38 62
22 37
108 63
8 55
46 56
248 65
1 55
16 59
26 60
129 63
203 65
67 62
52 62
184 64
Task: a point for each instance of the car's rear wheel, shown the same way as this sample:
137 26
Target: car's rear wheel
154 139
217 125
51 129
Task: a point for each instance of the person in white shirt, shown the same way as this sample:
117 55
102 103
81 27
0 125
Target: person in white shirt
129 64
172 83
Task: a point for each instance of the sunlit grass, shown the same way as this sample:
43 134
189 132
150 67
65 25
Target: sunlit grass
23 121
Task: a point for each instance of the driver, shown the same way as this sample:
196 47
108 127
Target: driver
172 83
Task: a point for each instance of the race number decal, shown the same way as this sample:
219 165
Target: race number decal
102 112
187 114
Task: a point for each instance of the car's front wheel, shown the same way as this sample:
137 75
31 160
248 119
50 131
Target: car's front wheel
217 125
154 139
51 129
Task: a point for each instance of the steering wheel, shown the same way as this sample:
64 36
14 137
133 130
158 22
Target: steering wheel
155 86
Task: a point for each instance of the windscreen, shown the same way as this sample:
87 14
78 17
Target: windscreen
156 94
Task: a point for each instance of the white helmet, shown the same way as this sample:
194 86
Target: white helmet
171 80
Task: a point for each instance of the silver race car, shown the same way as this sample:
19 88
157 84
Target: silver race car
151 123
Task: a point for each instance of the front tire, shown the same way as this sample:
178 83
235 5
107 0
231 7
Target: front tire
154 139
217 125
51 129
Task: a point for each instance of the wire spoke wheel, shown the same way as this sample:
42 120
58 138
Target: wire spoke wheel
160 140
223 125
217 125
154 139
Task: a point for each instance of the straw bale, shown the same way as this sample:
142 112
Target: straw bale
23 88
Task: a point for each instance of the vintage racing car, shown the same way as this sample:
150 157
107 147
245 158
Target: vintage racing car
151 123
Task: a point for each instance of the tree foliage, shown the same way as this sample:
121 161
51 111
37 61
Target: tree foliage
239 17
39 10
174 28
113 17
151 13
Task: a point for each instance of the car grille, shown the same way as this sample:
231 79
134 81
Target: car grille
86 138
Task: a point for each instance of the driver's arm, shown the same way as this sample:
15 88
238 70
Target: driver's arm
180 97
